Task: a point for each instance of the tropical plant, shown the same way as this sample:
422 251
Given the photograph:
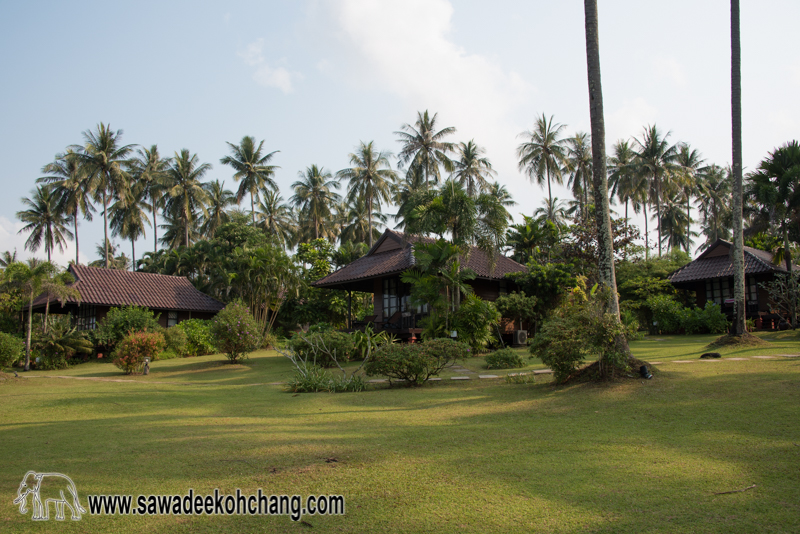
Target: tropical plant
129 217
313 195
276 218
504 359
149 171
11 350
739 327
413 364
119 322
424 149
186 193
715 186
358 226
120 262
689 163
625 183
543 154
251 165
103 158
72 188
236 332
579 166
219 200
370 179
132 351
59 342
472 170
45 221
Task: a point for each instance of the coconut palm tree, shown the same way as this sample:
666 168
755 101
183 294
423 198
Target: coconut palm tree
543 154
45 222
71 187
626 184
358 226
250 163
676 232
370 178
471 169
276 218
424 148
7 258
129 217
120 263
313 196
187 195
149 170
579 166
219 201
656 160
554 210
103 158
736 134
715 186
689 162
501 194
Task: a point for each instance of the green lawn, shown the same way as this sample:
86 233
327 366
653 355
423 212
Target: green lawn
453 456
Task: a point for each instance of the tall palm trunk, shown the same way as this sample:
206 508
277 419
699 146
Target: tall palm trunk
646 235
369 212
599 174
252 209
736 120
28 338
155 226
105 221
133 255
658 211
688 221
788 255
77 245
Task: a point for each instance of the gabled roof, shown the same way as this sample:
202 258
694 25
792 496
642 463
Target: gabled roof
716 262
393 254
112 287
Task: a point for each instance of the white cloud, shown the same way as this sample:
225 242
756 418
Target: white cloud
406 48
668 68
266 75
629 119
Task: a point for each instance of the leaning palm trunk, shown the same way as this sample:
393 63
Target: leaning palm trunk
599 175
738 327
792 291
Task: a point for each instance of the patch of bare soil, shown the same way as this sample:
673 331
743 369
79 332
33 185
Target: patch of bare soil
594 373
745 340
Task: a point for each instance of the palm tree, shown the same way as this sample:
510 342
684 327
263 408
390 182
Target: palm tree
102 157
149 170
689 163
29 278
71 186
219 200
7 258
129 217
775 185
370 178
120 263
358 226
605 240
579 166
313 195
501 194
553 210
186 193
250 163
45 222
424 148
736 134
656 160
714 192
403 194
676 230
543 153
472 170
276 218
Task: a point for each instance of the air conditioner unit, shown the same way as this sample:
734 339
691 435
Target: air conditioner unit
520 337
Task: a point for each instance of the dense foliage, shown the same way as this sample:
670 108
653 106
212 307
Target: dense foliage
235 332
199 340
176 340
504 359
12 349
119 322
132 350
415 363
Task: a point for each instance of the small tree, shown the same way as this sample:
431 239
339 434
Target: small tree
132 351
11 349
119 322
236 332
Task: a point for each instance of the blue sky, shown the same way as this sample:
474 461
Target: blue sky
313 78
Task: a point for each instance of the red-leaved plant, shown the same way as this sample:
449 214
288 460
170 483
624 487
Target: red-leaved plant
134 348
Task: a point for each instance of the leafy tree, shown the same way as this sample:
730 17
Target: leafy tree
534 239
236 332
547 284
277 219
45 222
628 185
359 226
543 153
103 158
149 171
370 179
129 217
120 262
689 161
715 185
186 193
219 200
251 165
579 166
424 149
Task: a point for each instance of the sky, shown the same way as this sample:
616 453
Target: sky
314 78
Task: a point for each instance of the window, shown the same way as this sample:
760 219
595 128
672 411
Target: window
172 318
503 289
752 290
87 317
391 302
718 289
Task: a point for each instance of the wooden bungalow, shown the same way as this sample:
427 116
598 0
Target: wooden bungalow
710 276
174 297
378 272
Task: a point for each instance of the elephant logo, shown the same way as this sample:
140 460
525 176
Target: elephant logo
46 488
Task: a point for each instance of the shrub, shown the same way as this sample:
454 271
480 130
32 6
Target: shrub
236 332
176 340
122 321
504 359
133 349
11 349
577 329
327 345
314 379
667 314
199 340
475 321
167 355
59 344
716 322
415 363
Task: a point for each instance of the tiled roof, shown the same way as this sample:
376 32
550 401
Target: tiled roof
112 287
376 264
704 267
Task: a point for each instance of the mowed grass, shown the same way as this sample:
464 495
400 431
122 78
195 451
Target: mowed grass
453 456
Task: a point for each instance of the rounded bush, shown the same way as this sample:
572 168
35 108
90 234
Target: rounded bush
176 340
199 340
11 349
236 332
132 350
504 359
415 363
